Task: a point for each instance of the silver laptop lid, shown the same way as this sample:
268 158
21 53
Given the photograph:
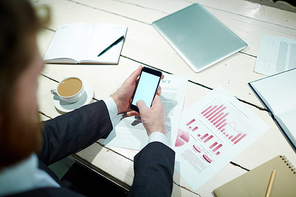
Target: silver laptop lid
198 37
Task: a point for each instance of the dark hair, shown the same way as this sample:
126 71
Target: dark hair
17 22
18 29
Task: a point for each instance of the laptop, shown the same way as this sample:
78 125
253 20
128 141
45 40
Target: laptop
198 37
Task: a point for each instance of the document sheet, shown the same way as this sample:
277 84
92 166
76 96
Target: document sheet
130 132
212 132
276 54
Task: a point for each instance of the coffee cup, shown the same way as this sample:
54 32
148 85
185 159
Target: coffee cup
69 90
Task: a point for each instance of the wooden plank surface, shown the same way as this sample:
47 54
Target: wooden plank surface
145 46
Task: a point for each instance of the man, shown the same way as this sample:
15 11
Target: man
28 147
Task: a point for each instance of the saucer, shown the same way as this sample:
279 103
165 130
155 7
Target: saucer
86 98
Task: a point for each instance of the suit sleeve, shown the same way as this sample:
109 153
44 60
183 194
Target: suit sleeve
154 168
74 131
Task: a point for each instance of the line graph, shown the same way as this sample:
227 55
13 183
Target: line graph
217 115
217 125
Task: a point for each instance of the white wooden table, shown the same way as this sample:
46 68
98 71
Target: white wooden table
145 46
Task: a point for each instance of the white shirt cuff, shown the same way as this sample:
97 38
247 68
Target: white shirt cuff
153 137
111 106
158 137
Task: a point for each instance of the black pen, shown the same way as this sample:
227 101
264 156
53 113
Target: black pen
114 43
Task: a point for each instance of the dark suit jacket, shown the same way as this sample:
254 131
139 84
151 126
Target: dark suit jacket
74 131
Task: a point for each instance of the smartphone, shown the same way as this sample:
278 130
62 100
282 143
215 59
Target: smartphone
147 87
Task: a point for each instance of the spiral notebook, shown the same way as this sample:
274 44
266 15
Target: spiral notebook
255 182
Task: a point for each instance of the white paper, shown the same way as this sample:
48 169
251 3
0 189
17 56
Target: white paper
101 36
278 92
130 132
276 54
68 41
212 132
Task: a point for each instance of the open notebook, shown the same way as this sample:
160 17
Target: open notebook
278 93
198 37
81 43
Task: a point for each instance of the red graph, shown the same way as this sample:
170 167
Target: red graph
223 119
182 138
190 123
218 117
195 128
215 146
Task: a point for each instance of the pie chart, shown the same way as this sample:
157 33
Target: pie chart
182 138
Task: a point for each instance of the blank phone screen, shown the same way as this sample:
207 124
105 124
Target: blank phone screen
146 88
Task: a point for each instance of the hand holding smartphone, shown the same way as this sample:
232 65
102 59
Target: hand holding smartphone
147 87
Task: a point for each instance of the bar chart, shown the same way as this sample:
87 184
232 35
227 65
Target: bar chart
217 116
190 127
217 126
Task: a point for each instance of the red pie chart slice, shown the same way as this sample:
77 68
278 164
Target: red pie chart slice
185 136
179 143
182 138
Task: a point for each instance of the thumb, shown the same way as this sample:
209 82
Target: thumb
142 106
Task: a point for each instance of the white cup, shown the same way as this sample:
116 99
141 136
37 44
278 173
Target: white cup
69 90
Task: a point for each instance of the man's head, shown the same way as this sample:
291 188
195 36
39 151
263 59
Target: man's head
20 66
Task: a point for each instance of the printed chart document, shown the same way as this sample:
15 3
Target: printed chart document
278 93
276 54
130 132
212 132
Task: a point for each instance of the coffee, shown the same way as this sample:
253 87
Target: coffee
69 87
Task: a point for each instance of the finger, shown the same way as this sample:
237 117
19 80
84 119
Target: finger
133 77
142 106
157 101
158 91
162 77
133 113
